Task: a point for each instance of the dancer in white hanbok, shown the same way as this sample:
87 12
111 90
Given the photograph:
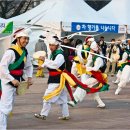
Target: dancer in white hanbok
93 64
14 61
123 75
77 70
55 63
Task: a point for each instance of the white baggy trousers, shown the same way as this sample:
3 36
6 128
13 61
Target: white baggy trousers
80 94
61 99
6 103
124 77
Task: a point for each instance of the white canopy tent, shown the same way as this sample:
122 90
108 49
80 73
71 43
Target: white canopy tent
5 39
51 14
118 10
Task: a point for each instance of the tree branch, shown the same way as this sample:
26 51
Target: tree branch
30 2
17 11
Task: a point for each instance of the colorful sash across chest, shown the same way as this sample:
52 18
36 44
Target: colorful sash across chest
67 79
55 53
22 58
127 62
16 64
13 67
100 77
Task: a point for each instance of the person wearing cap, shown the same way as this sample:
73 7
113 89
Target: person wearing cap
40 46
95 67
55 64
112 53
103 45
67 53
14 61
81 57
123 75
77 69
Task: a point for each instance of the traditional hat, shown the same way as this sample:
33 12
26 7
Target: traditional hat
21 33
94 46
53 41
17 31
89 38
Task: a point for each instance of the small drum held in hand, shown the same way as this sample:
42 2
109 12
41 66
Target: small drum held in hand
21 90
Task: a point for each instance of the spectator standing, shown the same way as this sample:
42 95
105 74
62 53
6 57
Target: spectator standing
40 46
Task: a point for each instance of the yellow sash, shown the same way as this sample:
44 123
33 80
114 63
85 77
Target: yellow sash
19 50
64 77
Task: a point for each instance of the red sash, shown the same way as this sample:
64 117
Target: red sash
16 72
54 73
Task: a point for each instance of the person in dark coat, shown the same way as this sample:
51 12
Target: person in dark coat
103 45
67 53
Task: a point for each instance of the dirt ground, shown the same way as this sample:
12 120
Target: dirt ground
116 115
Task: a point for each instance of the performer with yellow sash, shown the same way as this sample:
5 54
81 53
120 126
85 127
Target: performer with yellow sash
98 79
58 79
38 57
56 61
77 69
14 61
123 75
40 46
95 79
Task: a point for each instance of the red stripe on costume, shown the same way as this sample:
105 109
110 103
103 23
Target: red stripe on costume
0 93
16 72
84 86
70 91
98 76
54 73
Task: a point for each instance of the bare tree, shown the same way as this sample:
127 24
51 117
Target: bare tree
11 8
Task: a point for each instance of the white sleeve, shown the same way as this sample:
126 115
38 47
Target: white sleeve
28 68
59 60
89 60
7 59
79 53
118 50
124 57
98 64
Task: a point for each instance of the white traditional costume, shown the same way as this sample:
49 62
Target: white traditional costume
123 75
10 70
90 81
77 69
97 65
55 63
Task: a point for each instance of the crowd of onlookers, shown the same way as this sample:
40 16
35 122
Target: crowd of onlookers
113 50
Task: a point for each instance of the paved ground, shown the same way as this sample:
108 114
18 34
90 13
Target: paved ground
84 116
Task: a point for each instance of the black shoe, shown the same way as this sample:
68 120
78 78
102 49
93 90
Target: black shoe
64 118
40 116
